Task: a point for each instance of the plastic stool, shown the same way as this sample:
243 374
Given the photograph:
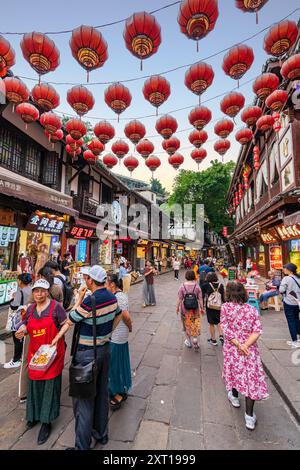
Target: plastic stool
255 303
273 302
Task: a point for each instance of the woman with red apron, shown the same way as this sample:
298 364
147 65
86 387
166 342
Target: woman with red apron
43 321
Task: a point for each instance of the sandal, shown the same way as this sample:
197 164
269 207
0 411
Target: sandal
115 404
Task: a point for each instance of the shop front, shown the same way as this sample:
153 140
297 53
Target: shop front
142 253
81 239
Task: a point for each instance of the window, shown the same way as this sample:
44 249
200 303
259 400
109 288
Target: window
10 150
106 194
50 175
32 162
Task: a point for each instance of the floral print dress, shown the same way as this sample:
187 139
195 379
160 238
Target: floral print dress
244 373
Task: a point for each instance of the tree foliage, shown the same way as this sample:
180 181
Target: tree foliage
158 188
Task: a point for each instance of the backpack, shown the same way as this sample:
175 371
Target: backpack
214 300
190 300
67 292
202 276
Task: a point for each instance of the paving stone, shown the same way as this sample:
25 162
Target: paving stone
9 394
215 405
12 426
151 435
114 445
135 359
125 422
153 356
143 381
167 373
285 358
67 438
143 338
160 404
220 437
179 439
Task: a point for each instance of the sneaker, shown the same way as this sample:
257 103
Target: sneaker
294 344
23 400
12 364
212 341
195 344
221 339
234 400
250 421
187 343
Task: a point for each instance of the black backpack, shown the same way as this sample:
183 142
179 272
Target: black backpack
67 292
190 300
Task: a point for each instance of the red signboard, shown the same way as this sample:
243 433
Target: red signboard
225 232
81 232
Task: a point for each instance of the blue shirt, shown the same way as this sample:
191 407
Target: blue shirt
205 268
122 272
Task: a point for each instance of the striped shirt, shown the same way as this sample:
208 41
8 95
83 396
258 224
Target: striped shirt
106 311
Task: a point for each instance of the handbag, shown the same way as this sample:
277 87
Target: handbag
83 378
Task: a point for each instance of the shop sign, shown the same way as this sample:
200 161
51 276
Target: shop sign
46 223
165 245
173 247
143 242
275 257
81 255
180 247
267 237
8 235
289 232
156 244
82 232
261 259
295 245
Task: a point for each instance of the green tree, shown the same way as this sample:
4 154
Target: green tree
158 188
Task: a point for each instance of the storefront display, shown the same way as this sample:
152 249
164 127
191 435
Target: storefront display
80 241
294 254
261 256
275 252
8 237
8 285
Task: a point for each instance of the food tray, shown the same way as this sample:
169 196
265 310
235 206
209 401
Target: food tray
43 358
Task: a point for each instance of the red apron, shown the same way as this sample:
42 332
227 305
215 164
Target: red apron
43 331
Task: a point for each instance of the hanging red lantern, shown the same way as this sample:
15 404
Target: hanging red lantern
244 136
277 100
3 72
265 123
280 38
198 138
240 191
73 152
117 97
16 91
131 163
135 131
96 147
51 122
222 146
238 61
251 114
198 155
45 96
251 6
156 90
142 35
199 77
28 113
40 52
110 160
74 144
56 137
232 104
171 145
199 117
277 126
145 148
153 163
197 18
224 128
246 174
90 157
291 68
88 48
80 99
120 148
76 128
104 131
265 84
176 160
7 54
256 157
166 126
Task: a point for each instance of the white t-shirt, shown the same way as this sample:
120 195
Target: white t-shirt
176 265
121 333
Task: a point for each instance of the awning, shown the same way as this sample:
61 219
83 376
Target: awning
85 223
292 219
22 188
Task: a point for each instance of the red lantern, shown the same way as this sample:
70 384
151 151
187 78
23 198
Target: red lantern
171 145
244 136
238 61
51 122
80 99
199 117
73 152
145 148
28 113
104 131
16 91
96 147
90 157
199 77
198 138
120 148
76 128
280 38
153 163
232 104
240 191
265 84
277 125
291 68
156 90
246 178
131 163
166 126
74 144
142 35
3 72
198 155
117 97
176 160
277 100
88 48
265 123
256 157
45 96
40 52
7 54
197 18
250 6
251 114
135 131
222 146
224 128
110 160
56 137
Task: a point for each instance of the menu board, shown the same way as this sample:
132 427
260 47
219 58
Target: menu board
295 245
8 235
231 274
275 257
7 289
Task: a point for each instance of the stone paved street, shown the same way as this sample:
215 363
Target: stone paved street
178 400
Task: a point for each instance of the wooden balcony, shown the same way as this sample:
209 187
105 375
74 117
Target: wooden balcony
86 205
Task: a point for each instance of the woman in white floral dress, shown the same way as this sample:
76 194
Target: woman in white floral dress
242 370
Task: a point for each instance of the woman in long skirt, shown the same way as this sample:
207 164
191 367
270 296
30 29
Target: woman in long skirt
148 287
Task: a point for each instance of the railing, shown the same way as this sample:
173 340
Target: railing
86 205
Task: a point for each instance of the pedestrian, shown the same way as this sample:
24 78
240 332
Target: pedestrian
242 367
214 296
18 303
66 264
190 306
120 370
290 288
272 290
148 287
249 265
203 270
44 319
176 267
125 277
91 415
195 268
55 290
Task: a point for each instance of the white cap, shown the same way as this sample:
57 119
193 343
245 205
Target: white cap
85 270
42 284
97 273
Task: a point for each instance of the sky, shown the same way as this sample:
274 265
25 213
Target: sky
233 26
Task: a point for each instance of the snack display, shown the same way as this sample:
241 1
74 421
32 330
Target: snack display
43 358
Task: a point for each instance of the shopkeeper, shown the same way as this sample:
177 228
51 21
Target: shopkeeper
43 321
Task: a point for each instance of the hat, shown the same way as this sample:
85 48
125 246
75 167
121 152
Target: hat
291 267
97 273
85 270
42 284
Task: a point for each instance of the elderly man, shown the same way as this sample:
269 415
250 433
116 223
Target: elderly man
272 290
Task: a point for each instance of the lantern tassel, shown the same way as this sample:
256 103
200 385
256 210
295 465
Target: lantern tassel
256 17
156 111
87 76
118 117
141 64
197 46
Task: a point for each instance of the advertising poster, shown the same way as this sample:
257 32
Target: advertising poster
81 255
275 257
